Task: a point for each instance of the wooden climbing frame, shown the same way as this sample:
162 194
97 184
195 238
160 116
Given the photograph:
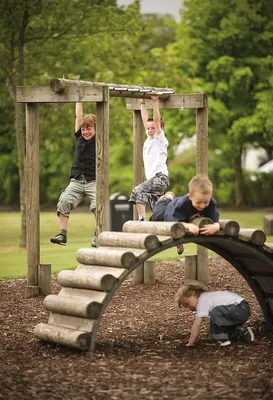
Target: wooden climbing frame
72 91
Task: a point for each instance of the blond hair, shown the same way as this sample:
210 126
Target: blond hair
88 120
191 288
200 184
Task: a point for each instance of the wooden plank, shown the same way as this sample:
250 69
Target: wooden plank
73 94
102 167
138 168
175 101
202 169
32 194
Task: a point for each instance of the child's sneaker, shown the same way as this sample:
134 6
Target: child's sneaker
180 249
59 239
223 342
246 334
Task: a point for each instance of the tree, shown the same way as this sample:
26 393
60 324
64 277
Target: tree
225 48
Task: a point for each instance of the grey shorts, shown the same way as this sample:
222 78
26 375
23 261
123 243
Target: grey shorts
74 193
155 186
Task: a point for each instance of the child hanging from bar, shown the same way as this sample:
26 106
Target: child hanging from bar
154 158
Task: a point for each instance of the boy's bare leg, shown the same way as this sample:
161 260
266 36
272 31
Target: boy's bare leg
63 222
141 211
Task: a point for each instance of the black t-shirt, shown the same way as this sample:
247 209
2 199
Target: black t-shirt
84 159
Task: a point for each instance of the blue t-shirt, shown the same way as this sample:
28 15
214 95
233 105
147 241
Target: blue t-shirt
181 209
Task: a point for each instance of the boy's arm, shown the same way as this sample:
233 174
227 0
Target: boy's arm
144 113
156 113
79 115
194 331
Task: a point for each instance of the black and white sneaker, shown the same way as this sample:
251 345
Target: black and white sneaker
246 334
59 239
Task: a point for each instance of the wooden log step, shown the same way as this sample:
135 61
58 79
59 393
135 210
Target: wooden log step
64 336
174 229
231 228
127 239
268 247
115 257
95 278
71 322
76 306
255 236
201 221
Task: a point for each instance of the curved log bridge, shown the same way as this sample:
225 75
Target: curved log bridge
76 312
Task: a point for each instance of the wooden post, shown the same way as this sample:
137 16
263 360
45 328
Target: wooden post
149 272
268 225
102 155
32 198
202 169
138 275
45 279
138 169
191 267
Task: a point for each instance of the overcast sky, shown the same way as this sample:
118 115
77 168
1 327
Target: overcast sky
157 6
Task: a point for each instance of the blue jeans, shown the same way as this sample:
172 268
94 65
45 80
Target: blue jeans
224 320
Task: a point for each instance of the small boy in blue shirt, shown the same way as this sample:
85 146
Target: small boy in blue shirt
197 203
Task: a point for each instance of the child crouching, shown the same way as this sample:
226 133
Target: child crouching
227 311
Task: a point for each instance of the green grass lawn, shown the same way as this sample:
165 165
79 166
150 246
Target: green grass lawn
13 261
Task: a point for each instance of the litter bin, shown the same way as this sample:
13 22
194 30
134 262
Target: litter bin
120 211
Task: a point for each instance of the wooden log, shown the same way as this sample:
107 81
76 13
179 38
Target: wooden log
174 229
45 279
138 275
268 247
268 225
80 279
175 101
149 272
73 306
32 195
126 239
102 164
116 90
255 236
138 141
231 228
202 270
31 291
71 322
116 257
201 221
191 267
64 336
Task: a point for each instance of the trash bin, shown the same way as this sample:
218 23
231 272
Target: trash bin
120 211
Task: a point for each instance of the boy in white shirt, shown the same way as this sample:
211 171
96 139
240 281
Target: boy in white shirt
154 158
227 311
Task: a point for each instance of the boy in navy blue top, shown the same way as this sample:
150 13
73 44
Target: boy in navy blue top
197 203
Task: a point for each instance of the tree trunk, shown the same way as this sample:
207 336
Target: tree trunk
239 181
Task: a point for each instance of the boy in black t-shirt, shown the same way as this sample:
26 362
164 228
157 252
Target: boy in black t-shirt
82 175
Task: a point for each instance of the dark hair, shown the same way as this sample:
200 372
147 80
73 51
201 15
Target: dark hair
162 122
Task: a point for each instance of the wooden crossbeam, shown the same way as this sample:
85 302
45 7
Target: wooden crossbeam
73 94
175 101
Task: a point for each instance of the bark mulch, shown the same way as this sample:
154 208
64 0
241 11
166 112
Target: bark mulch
140 352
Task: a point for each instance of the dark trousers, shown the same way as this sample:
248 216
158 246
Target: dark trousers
159 210
224 320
